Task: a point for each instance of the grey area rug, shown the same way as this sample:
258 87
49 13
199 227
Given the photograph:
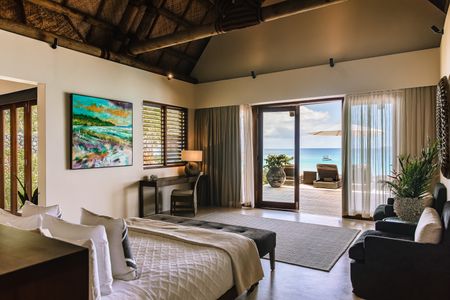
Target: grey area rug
303 244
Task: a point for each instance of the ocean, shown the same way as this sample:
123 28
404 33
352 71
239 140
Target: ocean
310 157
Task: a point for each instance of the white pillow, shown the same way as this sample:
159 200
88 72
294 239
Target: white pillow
29 209
25 223
65 230
94 284
122 262
429 228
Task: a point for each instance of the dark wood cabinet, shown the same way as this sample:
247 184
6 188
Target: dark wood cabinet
36 267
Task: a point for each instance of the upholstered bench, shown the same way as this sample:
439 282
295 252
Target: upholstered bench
265 240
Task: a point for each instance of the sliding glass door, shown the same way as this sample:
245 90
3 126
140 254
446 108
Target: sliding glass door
278 135
298 164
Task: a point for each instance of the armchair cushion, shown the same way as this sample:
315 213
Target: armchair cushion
429 228
357 251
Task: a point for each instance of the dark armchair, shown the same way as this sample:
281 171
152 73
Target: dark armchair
390 265
387 210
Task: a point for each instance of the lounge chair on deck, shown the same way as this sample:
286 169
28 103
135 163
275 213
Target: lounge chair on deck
328 177
290 174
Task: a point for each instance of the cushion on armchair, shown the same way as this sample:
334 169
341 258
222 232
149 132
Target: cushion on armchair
429 228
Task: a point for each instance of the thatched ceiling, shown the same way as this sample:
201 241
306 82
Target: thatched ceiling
161 36
112 24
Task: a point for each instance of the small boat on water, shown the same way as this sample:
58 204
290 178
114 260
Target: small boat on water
326 158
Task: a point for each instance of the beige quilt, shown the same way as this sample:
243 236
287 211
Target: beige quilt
246 264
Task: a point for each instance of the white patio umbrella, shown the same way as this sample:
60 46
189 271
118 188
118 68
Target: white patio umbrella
337 131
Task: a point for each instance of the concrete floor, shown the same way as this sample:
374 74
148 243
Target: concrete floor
293 282
317 201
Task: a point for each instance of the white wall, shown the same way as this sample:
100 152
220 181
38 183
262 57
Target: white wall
445 68
110 191
411 69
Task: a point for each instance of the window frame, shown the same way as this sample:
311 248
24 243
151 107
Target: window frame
164 108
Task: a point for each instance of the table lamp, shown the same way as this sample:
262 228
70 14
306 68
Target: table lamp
191 157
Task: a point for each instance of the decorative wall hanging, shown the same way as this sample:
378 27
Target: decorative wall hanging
442 125
101 132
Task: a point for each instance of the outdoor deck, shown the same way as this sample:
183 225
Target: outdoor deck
312 200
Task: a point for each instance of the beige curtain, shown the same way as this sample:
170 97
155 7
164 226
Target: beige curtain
247 170
217 134
416 119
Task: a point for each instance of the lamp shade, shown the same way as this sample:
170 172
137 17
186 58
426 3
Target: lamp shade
191 155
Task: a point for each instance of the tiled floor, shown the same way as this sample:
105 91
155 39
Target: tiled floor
313 200
294 282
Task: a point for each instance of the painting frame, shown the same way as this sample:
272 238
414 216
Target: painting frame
73 143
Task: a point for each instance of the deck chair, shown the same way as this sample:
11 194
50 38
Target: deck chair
328 177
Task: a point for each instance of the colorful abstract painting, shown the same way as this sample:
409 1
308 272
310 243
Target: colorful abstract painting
102 132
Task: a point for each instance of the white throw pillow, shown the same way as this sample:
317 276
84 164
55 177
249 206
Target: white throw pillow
29 209
94 284
122 262
429 228
65 230
25 223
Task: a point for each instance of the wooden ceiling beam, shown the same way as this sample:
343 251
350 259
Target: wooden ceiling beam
49 37
174 17
168 14
70 12
268 13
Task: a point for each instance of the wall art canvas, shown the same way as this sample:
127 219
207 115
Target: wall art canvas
101 131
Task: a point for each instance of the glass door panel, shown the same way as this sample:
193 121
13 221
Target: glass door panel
278 178
320 157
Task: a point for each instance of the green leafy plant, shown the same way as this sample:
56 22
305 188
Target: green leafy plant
277 161
23 196
416 174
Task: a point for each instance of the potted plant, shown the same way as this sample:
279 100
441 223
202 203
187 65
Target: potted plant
275 165
23 195
411 184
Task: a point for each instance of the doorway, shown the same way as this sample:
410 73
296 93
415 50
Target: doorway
306 139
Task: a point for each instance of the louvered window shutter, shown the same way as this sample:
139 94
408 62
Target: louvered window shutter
164 134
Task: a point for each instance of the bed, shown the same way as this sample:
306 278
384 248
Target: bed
173 268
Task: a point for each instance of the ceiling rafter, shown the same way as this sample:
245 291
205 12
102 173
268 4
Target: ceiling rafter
188 6
48 37
169 14
23 17
129 17
73 13
186 46
97 16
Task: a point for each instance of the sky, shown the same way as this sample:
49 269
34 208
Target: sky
279 126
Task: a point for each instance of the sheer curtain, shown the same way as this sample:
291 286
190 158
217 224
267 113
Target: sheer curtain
247 171
370 149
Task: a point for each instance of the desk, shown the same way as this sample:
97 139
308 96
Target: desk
156 184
